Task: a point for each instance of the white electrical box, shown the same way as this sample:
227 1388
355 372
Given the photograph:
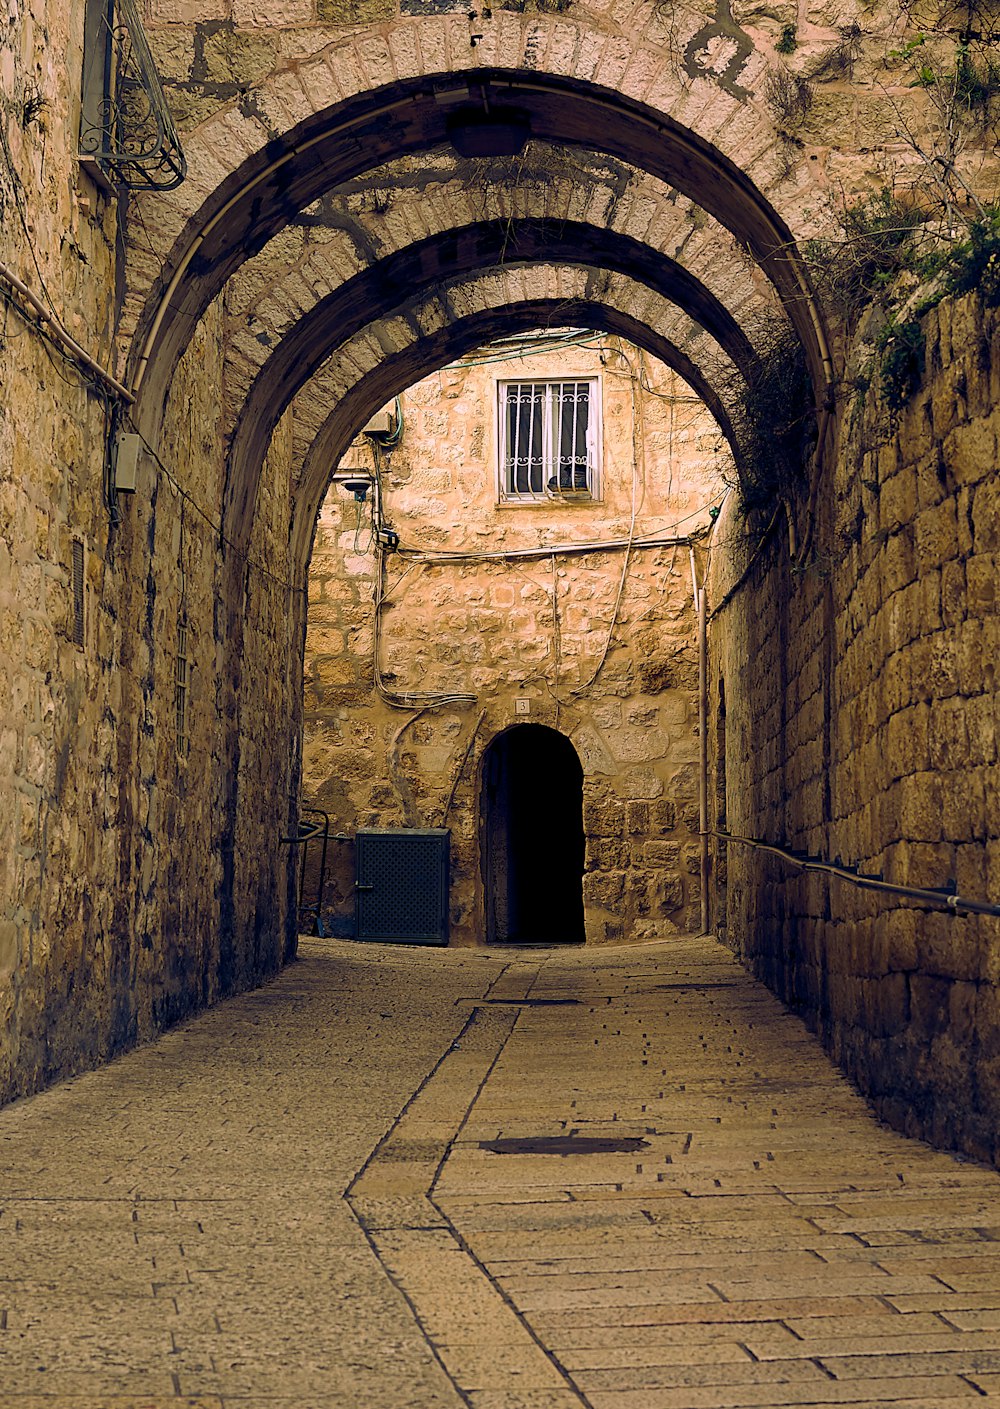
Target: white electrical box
127 449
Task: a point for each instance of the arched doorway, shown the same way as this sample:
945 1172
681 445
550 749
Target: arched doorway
532 835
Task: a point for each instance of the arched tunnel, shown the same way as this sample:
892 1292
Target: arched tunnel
554 445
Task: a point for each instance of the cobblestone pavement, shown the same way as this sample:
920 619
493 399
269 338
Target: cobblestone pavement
509 1179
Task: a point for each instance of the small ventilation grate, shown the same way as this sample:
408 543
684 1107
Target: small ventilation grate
566 1145
533 1002
181 687
78 593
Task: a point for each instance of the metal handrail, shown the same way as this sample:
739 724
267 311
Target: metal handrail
307 832
945 897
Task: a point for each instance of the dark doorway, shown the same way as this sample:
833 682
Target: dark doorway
533 838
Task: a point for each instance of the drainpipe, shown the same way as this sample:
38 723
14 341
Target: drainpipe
701 607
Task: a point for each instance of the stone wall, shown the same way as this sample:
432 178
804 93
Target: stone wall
533 630
117 854
58 746
142 870
861 724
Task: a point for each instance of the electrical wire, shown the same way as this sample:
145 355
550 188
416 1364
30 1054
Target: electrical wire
403 699
388 595
383 594
461 767
640 377
556 636
215 526
741 580
545 551
582 688
357 527
396 699
533 347
16 186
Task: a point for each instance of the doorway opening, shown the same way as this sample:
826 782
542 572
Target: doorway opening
532 836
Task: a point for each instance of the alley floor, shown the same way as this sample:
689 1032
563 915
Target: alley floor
409 1178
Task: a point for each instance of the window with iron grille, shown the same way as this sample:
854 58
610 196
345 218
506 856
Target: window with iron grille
549 440
79 622
181 688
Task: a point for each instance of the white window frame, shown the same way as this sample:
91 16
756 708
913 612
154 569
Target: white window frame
546 495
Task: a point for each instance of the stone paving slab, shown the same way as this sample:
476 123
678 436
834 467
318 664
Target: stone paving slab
288 1202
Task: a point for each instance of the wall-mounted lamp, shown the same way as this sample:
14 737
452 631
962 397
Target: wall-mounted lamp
358 486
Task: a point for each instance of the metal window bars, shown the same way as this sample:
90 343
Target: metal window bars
79 594
127 135
181 689
548 439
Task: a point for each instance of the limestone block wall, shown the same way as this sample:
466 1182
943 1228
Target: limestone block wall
57 744
601 648
116 856
861 723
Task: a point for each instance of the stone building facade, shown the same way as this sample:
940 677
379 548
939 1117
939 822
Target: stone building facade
599 644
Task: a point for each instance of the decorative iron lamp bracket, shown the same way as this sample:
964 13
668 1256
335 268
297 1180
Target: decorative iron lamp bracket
127 135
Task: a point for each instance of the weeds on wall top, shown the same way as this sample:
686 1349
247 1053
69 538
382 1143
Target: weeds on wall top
876 241
902 250
894 258
774 423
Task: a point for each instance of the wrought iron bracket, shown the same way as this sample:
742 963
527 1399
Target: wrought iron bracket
127 135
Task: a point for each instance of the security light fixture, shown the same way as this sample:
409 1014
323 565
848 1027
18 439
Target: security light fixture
358 486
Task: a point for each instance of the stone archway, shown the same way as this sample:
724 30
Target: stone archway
532 839
335 145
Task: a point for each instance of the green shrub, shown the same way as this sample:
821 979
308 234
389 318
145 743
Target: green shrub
901 365
974 263
877 241
775 426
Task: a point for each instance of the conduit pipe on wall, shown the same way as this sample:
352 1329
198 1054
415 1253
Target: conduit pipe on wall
953 903
701 607
550 550
64 339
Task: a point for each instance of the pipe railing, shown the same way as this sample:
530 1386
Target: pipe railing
307 832
928 895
